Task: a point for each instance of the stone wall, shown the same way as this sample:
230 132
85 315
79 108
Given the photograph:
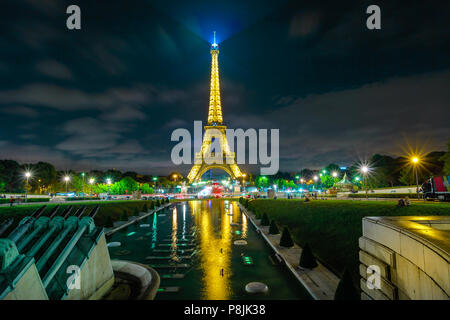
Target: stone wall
411 256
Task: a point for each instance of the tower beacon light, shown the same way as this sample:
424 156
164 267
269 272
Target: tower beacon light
214 44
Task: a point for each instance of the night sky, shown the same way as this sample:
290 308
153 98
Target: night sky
109 95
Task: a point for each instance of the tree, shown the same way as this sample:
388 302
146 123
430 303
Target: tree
125 185
45 177
273 229
384 171
146 189
124 216
306 174
446 159
265 220
407 176
345 289
108 222
113 174
307 259
10 176
286 239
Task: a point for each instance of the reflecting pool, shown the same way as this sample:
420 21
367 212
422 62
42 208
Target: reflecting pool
192 247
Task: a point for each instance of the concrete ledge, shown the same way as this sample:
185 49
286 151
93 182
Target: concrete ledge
414 249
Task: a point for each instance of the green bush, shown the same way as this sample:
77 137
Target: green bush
265 220
273 229
286 239
145 208
108 222
345 289
307 259
135 211
124 216
241 200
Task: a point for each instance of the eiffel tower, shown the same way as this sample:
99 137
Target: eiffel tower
215 129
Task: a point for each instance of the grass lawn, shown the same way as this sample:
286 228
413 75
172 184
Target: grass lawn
332 227
107 208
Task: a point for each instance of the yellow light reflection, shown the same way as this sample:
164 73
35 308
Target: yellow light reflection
244 223
174 231
215 249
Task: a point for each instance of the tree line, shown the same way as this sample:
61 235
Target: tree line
44 179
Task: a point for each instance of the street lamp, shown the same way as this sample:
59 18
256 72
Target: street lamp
364 170
27 176
66 180
315 178
108 182
91 182
334 174
82 182
415 161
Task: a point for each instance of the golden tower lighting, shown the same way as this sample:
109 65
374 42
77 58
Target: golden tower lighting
215 129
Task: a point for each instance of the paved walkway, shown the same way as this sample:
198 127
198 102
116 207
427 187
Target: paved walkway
320 282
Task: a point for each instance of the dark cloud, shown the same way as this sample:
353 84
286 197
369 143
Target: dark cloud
109 95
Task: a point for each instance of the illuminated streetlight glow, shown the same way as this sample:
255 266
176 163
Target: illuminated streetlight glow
66 180
334 174
27 176
364 169
91 180
415 161
316 178
108 181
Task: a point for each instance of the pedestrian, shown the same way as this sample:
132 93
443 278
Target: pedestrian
11 201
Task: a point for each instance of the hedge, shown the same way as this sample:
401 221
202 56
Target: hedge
382 195
81 198
22 200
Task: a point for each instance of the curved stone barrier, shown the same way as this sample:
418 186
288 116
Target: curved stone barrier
405 258
143 279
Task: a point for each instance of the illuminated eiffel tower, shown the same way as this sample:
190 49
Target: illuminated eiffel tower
215 129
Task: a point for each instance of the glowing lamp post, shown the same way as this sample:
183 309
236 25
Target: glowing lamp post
364 170
27 177
91 182
66 180
415 161
315 178
334 174
108 182
82 182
